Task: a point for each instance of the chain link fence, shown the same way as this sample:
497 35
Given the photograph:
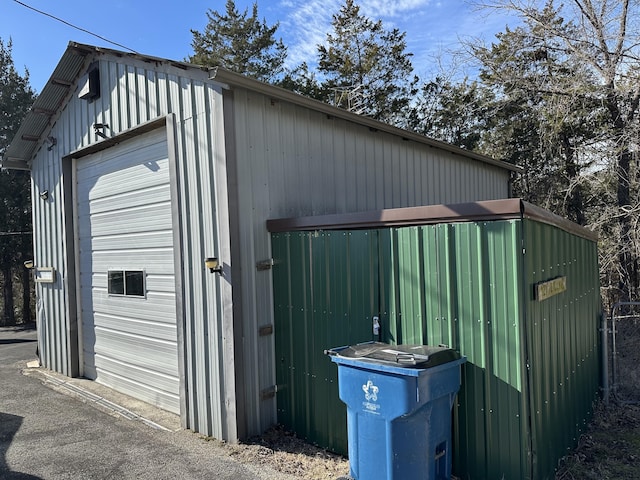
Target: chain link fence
624 352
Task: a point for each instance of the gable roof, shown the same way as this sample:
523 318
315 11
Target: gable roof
73 64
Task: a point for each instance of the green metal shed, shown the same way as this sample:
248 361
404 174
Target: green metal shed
511 286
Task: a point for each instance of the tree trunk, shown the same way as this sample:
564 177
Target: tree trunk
7 295
627 281
26 295
575 206
627 260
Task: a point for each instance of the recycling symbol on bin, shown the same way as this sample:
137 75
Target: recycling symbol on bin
370 391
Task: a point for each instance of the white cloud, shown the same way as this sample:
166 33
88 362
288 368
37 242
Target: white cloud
434 28
379 9
306 26
307 22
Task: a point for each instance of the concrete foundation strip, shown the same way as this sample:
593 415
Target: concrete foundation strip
103 402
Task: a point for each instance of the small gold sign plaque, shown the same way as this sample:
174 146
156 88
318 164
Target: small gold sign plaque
550 288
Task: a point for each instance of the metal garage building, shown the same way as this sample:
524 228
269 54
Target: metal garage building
143 168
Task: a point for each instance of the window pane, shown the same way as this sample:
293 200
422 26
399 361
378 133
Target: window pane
135 283
116 282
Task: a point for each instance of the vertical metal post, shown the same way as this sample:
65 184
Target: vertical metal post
614 351
605 360
614 363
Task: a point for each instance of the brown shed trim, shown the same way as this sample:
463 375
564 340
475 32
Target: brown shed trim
489 210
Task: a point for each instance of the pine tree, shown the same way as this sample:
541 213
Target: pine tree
241 43
16 97
367 67
456 113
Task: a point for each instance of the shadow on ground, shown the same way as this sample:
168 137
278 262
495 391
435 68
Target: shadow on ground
7 341
9 426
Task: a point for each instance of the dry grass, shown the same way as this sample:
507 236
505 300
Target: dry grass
610 449
286 453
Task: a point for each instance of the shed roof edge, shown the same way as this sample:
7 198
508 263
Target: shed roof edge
487 210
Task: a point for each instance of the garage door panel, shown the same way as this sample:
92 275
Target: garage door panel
135 351
153 308
145 240
139 196
124 210
160 329
142 376
152 261
134 220
136 183
146 150
143 391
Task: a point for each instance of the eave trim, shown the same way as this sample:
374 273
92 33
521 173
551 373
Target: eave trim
118 138
489 210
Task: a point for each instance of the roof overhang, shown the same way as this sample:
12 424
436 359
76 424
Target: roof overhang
38 121
488 210
75 61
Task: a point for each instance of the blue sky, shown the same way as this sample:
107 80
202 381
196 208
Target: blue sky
162 28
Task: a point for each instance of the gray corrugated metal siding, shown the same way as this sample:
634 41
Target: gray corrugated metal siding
132 94
294 162
285 156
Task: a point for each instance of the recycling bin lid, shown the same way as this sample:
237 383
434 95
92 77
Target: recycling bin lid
411 356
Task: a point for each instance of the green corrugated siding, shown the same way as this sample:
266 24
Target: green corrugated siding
458 284
326 293
467 285
563 341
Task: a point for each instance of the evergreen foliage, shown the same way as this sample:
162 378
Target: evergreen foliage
16 97
367 67
241 43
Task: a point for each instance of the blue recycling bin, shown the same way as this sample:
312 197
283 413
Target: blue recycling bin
399 400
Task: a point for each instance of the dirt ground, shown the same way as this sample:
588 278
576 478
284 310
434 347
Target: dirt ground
609 450
286 453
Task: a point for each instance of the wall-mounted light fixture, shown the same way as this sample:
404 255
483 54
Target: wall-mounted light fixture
99 128
213 264
52 143
44 195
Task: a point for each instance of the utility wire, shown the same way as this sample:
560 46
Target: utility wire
6 234
74 26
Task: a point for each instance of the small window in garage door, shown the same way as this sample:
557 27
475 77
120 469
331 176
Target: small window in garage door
127 283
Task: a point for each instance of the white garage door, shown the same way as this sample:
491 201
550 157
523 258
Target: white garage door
127 284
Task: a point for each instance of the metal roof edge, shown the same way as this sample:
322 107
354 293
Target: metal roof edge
486 210
32 128
235 79
217 74
14 164
407 216
539 214
82 47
